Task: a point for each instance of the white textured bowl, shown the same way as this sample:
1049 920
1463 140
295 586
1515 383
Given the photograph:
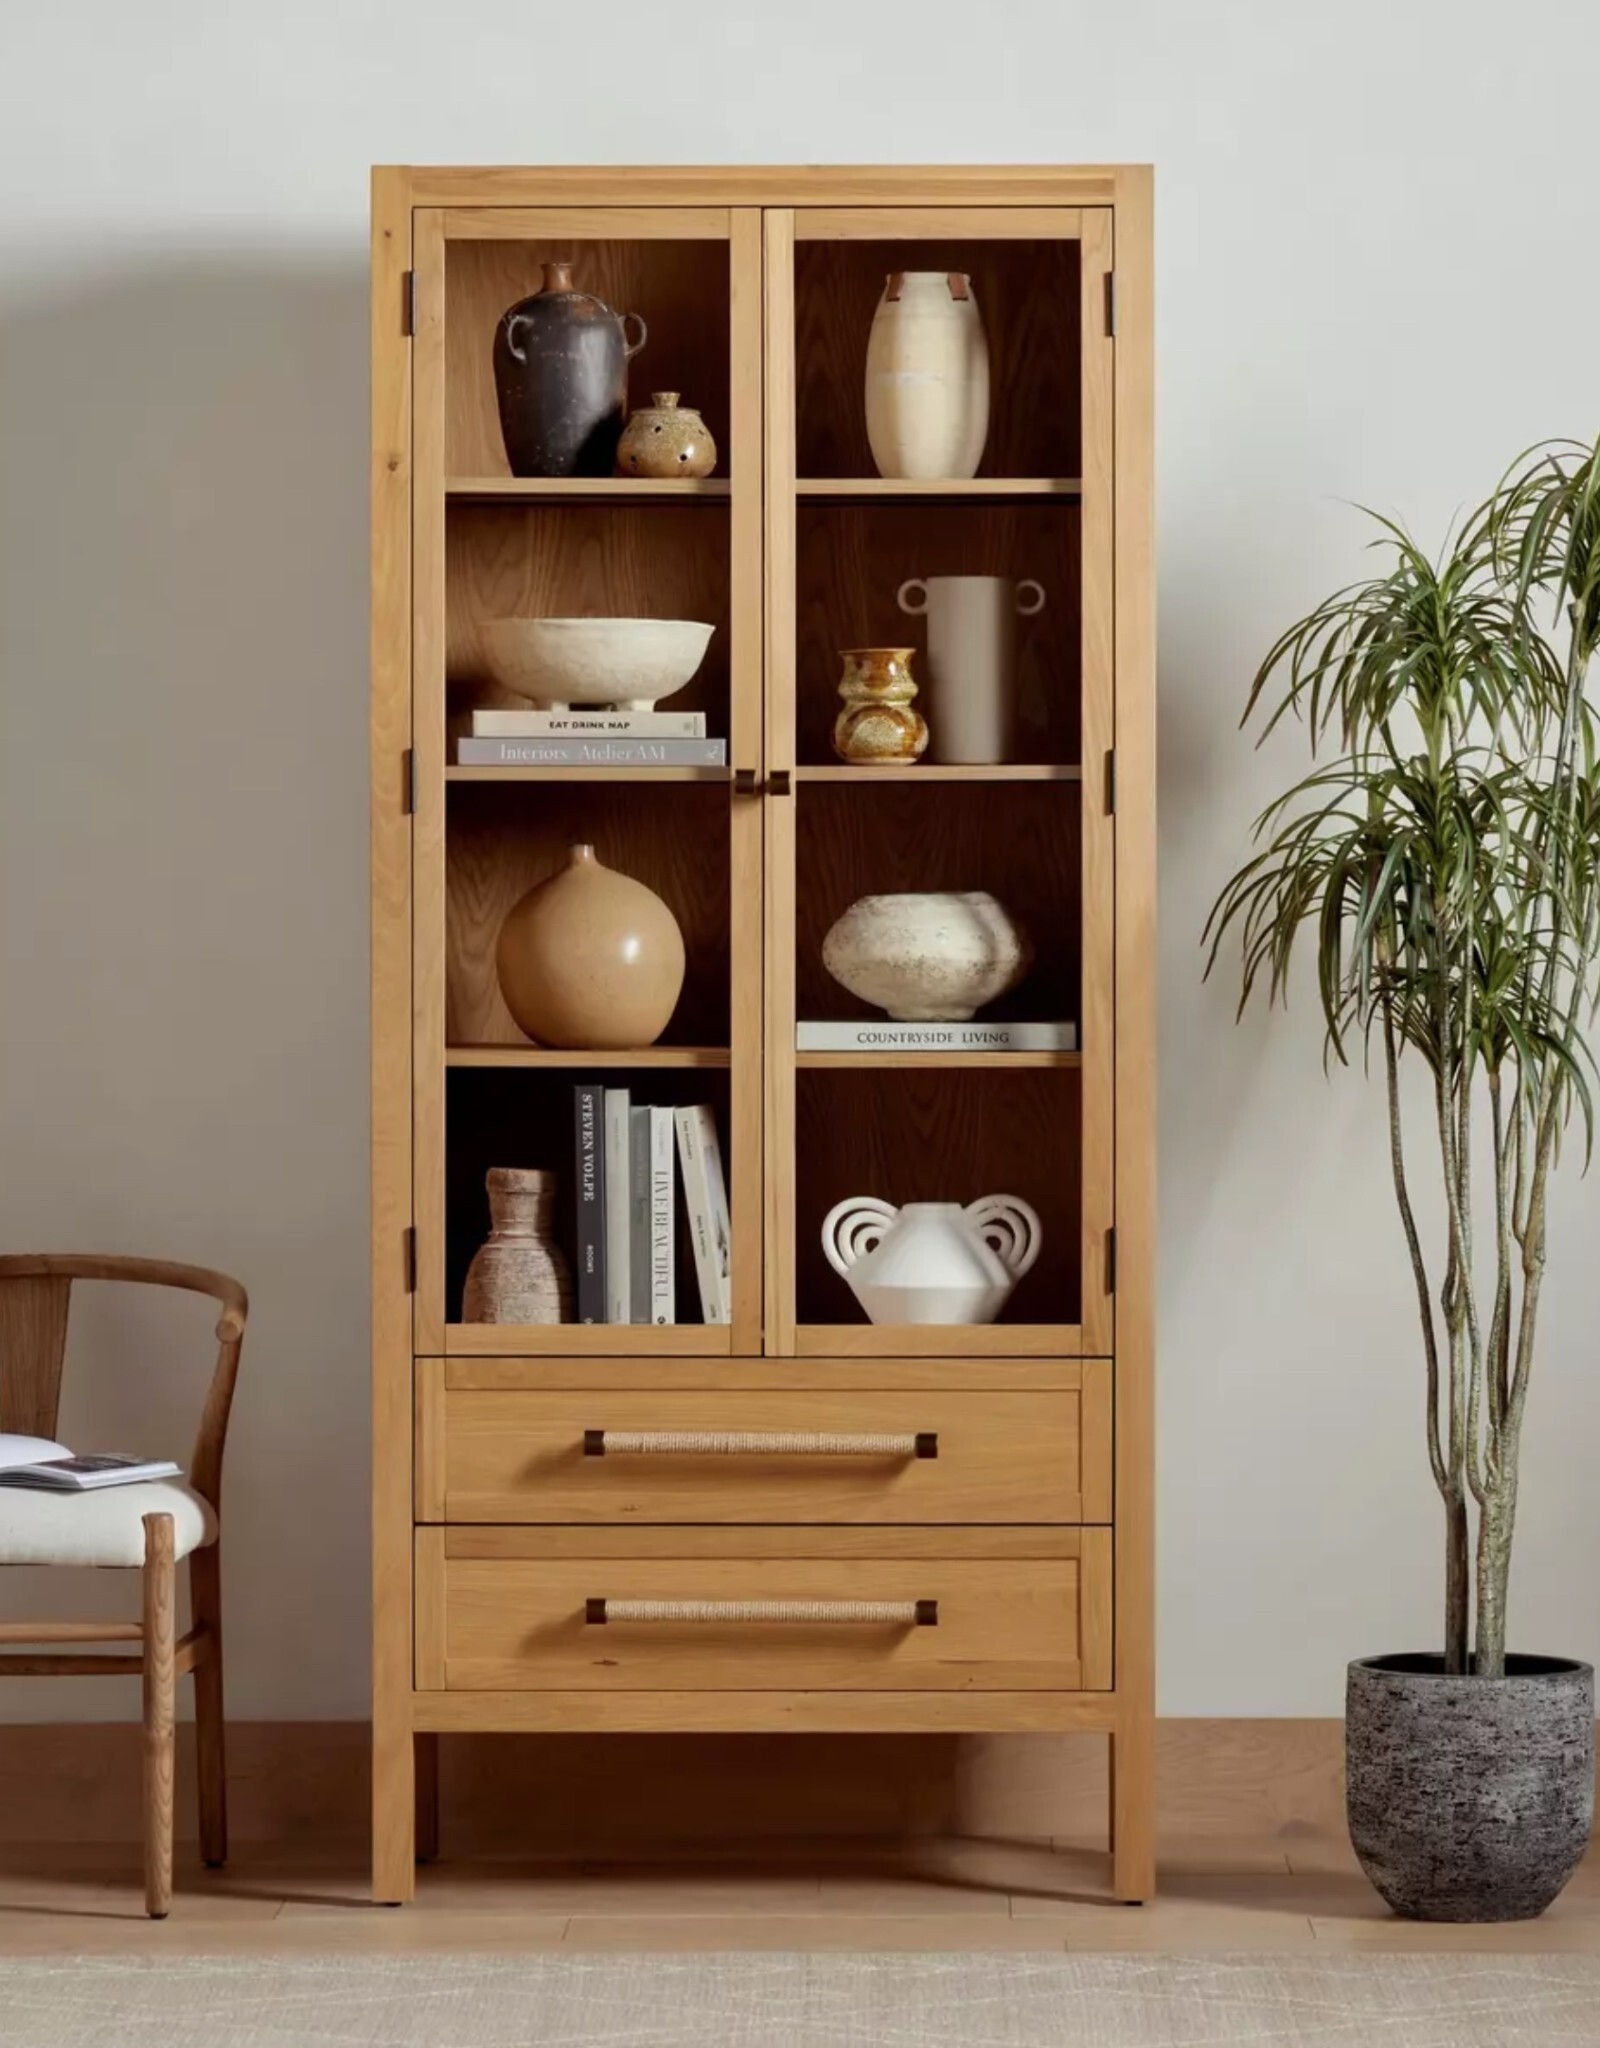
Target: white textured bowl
935 957
631 663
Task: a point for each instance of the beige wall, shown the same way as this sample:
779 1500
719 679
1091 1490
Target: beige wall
1376 282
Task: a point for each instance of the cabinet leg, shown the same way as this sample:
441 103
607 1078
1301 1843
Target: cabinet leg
1133 1835
427 1769
394 1811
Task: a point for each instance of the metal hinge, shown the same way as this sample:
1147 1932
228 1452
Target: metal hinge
408 302
409 1257
1111 1260
408 781
1111 304
1111 782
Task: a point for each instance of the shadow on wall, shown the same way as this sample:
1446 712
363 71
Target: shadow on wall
183 923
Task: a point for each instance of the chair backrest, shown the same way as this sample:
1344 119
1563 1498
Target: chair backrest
35 1293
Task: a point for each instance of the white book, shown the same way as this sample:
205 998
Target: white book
639 1212
721 1223
639 725
618 1268
663 1220
67 1474
707 1234
884 1035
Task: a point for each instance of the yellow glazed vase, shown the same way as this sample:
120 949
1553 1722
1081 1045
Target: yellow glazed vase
878 722
591 959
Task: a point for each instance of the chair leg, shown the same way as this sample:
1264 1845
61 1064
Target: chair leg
210 1743
160 1688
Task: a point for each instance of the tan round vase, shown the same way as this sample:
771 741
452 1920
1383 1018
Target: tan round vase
591 959
879 722
664 438
518 1274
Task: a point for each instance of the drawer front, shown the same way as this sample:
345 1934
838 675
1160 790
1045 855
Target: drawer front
796 1455
777 1623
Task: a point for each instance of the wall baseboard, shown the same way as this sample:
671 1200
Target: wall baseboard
303 1781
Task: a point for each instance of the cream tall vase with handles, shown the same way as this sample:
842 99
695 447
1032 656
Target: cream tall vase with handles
972 660
927 377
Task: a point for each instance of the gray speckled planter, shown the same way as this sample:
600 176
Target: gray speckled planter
1469 1798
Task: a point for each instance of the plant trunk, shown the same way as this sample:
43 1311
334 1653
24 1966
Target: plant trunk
1457 1584
1496 1521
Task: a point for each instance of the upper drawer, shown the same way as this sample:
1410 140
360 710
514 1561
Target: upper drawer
750 1453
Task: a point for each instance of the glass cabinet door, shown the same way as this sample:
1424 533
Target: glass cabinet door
939 940
492 548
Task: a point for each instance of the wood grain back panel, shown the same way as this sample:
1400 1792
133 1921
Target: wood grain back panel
585 560
931 1135
1019 841
33 1342
1027 293
524 1118
503 838
679 289
852 560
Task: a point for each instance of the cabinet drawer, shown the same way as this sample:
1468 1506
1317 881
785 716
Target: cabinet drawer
776 1622
829 1454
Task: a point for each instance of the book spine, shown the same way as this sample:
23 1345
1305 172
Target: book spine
618 1267
590 1182
827 1036
573 751
639 1210
720 1224
663 1221
697 1209
638 725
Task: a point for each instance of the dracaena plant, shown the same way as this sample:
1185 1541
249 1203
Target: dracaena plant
1442 861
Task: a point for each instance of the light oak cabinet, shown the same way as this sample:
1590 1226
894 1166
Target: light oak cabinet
912 1529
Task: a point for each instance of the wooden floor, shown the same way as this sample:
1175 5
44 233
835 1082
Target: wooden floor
1294 1890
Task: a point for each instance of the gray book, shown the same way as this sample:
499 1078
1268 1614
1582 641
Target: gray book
626 725
574 750
639 1205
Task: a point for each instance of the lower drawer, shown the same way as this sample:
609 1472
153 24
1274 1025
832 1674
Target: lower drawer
545 1616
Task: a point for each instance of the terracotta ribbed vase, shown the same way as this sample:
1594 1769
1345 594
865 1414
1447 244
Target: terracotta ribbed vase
591 959
518 1274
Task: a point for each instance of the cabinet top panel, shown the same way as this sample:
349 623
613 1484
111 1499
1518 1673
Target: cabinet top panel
750 185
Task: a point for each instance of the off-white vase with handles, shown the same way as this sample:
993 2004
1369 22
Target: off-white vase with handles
927 377
932 1262
971 671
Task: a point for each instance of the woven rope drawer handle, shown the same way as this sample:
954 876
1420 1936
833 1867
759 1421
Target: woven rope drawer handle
898 1613
758 1443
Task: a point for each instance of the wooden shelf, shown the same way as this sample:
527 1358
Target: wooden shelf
917 771
939 487
595 774
998 1062
540 1056
554 490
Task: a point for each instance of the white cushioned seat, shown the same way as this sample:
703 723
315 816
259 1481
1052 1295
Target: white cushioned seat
103 1527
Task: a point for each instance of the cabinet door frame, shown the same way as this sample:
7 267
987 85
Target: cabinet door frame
1091 227
434 228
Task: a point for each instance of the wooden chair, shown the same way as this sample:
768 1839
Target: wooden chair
149 1525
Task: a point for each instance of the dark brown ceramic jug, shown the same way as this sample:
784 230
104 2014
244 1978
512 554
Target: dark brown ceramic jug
561 376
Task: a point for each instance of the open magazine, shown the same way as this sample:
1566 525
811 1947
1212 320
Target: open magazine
34 1461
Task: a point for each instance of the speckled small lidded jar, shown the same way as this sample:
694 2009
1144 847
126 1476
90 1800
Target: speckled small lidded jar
665 439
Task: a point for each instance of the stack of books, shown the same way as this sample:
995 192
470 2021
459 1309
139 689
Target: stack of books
627 1209
590 738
